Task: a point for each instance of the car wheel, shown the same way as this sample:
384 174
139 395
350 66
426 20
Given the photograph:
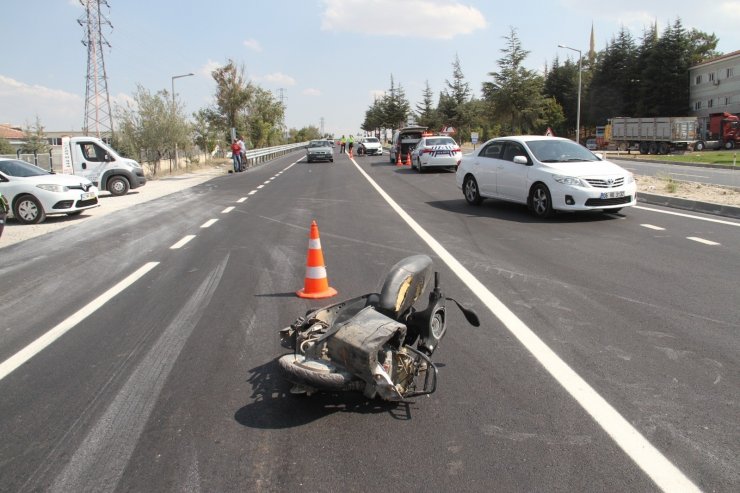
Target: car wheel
118 186
421 168
699 146
470 190
28 210
540 201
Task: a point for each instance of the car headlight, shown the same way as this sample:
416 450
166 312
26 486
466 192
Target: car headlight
53 188
568 180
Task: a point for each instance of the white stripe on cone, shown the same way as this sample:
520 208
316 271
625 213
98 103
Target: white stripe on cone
314 244
315 272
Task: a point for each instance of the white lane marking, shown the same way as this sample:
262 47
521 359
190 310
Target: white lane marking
209 223
680 214
241 200
101 458
702 240
228 209
252 192
260 186
28 352
184 241
650 226
267 182
667 476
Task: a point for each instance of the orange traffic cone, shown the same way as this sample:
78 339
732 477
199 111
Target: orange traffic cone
408 159
398 159
315 285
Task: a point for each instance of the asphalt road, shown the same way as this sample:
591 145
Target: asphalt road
138 351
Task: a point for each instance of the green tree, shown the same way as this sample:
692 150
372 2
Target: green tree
395 106
427 114
5 146
515 94
152 124
263 118
454 107
35 142
233 94
205 132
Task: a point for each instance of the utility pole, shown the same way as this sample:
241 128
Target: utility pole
98 116
322 126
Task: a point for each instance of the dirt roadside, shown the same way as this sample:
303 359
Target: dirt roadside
16 232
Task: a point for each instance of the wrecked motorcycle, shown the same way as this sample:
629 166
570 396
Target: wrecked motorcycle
377 343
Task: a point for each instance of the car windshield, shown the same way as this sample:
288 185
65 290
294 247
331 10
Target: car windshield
21 169
371 139
440 141
318 143
559 151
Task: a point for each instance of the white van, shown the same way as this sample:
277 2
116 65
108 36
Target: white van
95 160
404 140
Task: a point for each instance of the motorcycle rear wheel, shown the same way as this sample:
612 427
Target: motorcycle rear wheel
313 373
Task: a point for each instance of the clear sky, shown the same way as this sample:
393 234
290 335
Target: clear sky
329 56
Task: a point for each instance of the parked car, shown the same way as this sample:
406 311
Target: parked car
319 150
547 174
436 151
4 209
34 193
370 146
404 140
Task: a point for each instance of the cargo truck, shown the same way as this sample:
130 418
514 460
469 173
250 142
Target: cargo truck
662 135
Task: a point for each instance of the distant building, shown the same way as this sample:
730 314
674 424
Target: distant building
12 134
714 87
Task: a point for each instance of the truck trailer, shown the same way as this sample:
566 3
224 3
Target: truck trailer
654 135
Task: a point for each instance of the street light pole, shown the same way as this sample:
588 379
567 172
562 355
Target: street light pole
578 110
173 108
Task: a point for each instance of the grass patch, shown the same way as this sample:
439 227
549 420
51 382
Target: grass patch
703 157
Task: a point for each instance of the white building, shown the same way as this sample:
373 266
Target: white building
714 87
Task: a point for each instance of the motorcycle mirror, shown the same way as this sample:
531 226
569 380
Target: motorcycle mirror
469 314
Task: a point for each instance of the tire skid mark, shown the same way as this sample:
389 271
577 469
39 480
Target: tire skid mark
101 458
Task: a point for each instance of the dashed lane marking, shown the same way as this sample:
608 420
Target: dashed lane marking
241 200
184 241
702 240
228 209
650 226
209 223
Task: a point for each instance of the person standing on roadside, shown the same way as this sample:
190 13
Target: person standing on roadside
351 144
242 153
4 210
342 144
236 155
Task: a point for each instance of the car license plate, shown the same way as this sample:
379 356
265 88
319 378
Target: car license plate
612 195
88 196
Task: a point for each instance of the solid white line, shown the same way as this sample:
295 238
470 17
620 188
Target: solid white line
209 223
241 200
228 209
667 476
681 214
28 352
252 192
702 240
650 226
182 242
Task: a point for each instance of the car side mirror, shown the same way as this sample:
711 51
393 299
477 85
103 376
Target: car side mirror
521 160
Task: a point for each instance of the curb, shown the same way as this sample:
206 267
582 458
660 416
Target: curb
690 205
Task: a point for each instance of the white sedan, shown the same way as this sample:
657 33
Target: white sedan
438 151
547 174
34 193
